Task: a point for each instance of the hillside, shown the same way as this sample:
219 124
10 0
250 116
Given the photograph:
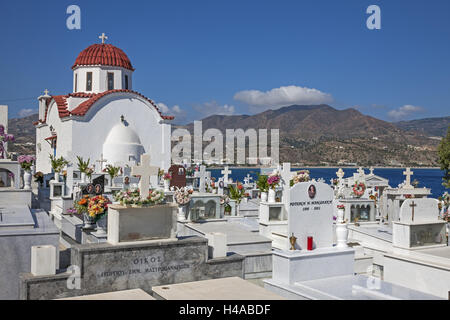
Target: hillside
436 127
320 134
24 134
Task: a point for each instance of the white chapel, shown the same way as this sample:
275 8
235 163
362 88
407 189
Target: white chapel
103 118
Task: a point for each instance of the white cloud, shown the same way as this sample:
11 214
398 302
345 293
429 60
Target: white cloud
213 108
180 114
283 96
403 112
26 112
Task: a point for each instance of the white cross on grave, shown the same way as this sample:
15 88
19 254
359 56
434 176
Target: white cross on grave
286 184
145 170
225 173
361 172
247 179
103 37
371 170
202 180
46 92
101 162
408 173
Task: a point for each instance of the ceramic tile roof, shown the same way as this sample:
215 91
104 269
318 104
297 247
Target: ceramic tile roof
83 108
103 54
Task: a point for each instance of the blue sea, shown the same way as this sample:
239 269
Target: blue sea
430 178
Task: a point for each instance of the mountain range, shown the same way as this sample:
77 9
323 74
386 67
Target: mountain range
315 135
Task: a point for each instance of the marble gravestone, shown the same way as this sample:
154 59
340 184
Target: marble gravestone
178 176
311 214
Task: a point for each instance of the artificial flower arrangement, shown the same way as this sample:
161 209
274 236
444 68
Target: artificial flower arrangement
167 176
261 183
83 165
273 180
236 193
58 163
98 207
112 171
341 206
26 162
301 176
89 171
82 205
133 197
182 196
358 189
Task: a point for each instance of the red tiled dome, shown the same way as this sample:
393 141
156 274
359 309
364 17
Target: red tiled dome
103 54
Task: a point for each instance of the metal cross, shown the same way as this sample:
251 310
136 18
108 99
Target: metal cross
101 162
412 205
46 92
103 37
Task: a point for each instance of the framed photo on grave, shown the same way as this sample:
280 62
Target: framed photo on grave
178 174
77 175
57 191
96 187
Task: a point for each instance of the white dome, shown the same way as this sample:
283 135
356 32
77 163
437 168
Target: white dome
122 145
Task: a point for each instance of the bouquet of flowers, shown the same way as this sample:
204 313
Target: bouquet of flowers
112 171
273 180
341 206
58 163
167 176
182 196
83 165
82 205
301 176
358 189
26 162
237 193
133 197
261 183
89 171
98 207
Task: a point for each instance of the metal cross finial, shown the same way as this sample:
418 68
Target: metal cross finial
103 37
46 92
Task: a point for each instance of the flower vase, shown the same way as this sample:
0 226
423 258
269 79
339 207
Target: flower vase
271 197
182 213
89 222
166 185
83 177
56 178
102 224
340 216
27 180
263 196
341 235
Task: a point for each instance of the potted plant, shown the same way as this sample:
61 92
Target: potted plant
112 172
57 165
82 167
263 186
224 202
26 162
273 180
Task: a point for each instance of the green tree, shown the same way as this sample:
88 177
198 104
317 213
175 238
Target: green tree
444 158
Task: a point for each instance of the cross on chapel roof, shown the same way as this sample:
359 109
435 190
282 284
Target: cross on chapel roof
103 37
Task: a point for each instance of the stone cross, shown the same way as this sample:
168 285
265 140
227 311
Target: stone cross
286 184
371 170
101 162
247 179
46 92
69 179
145 170
202 179
103 37
361 172
412 205
225 173
408 173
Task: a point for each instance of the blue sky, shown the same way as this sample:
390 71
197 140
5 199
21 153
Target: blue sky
200 57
